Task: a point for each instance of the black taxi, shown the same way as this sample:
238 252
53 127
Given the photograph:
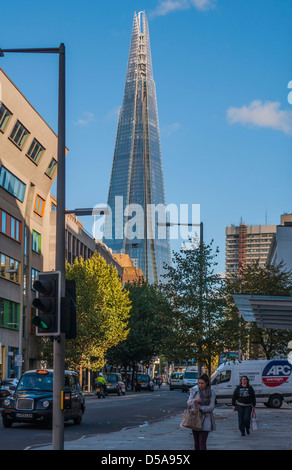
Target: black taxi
143 382
32 401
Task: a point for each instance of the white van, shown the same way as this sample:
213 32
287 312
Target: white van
271 380
175 381
190 378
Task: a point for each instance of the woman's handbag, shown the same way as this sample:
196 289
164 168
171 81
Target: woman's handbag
254 425
192 419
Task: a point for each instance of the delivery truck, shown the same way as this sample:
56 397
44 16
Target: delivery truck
190 378
270 379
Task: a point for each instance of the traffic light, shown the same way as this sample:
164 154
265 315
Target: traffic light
47 303
68 316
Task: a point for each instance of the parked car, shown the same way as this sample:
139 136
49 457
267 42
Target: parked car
32 401
176 380
7 388
144 382
115 384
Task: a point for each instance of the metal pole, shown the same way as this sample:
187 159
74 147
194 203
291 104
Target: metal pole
48 50
59 344
201 291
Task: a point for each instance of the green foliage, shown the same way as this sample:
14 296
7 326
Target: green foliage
103 308
149 326
198 298
259 280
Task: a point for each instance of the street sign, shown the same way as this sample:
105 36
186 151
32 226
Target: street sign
18 360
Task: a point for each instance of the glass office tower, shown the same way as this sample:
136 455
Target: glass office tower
135 224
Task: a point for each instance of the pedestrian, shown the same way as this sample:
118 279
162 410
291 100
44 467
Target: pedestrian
202 396
243 401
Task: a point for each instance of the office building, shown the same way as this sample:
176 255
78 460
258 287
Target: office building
28 209
129 272
246 244
137 182
77 241
281 246
28 163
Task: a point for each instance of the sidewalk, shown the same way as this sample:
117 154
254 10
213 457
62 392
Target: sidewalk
274 433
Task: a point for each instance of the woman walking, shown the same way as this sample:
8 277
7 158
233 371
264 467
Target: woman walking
203 397
243 400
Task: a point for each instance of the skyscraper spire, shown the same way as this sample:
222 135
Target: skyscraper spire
137 183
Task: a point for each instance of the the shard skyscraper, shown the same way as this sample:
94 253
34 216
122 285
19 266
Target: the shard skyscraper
136 195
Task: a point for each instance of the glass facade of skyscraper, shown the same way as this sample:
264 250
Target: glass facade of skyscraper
137 183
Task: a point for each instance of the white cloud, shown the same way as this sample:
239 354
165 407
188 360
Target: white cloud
259 114
87 118
168 6
203 4
169 129
112 114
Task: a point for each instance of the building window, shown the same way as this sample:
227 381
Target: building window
39 205
36 242
25 239
24 281
12 184
10 269
9 314
69 254
35 151
19 134
4 116
1 312
10 226
34 276
51 168
3 222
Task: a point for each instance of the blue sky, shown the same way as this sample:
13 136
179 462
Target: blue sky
221 69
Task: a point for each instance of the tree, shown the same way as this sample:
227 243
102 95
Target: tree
149 326
103 308
198 298
254 279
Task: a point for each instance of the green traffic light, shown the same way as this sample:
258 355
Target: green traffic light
47 303
38 322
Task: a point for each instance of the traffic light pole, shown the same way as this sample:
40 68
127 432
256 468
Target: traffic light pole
59 343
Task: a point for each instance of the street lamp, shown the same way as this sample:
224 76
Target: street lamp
172 224
59 345
88 211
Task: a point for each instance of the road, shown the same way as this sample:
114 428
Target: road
101 416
